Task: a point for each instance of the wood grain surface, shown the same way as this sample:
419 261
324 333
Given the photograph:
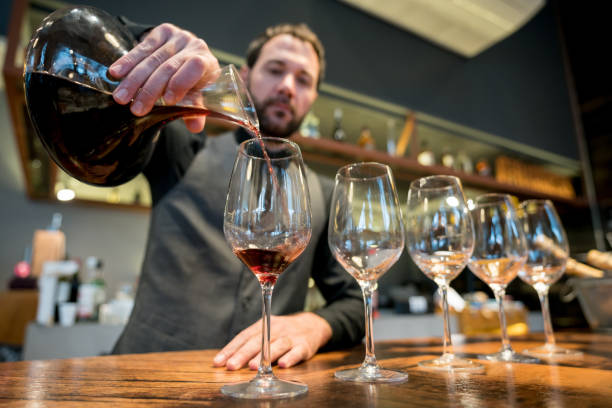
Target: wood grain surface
188 379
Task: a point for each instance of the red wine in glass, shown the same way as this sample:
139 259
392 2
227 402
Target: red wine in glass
268 264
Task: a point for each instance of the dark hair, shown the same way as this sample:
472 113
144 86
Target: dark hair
300 31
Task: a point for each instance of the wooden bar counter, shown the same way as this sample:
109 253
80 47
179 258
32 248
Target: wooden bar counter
188 379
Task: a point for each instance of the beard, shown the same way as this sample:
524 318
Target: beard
268 126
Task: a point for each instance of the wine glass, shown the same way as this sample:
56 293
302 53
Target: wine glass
546 257
440 240
267 224
500 251
366 236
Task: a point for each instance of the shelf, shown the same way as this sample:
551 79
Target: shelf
336 154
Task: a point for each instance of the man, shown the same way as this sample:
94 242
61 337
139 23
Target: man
193 291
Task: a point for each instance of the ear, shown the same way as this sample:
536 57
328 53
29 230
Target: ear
244 73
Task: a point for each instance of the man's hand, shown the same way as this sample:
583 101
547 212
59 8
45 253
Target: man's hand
169 63
293 339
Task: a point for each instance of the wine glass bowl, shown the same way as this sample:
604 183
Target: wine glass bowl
267 222
547 254
366 236
499 252
440 240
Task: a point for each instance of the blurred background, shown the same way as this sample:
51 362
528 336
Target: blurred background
510 95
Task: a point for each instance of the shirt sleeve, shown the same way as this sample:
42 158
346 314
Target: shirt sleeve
138 30
176 146
175 150
344 310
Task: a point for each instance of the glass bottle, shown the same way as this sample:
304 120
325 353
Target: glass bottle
366 140
339 133
92 293
391 138
427 156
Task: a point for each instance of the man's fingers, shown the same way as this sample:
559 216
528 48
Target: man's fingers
229 349
277 349
238 341
195 124
158 36
195 72
155 85
294 356
240 358
148 75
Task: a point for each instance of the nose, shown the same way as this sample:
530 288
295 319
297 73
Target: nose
287 85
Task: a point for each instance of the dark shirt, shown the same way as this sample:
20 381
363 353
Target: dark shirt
193 291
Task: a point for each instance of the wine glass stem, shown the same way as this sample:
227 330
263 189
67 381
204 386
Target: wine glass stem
500 292
447 348
367 288
265 365
548 330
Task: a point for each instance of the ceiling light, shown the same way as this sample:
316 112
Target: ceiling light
466 27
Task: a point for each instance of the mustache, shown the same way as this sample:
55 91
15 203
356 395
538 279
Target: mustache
279 99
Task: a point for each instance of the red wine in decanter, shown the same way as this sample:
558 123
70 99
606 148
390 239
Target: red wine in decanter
93 138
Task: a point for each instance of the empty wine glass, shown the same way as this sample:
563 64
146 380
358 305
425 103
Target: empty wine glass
547 254
267 224
499 252
366 236
440 240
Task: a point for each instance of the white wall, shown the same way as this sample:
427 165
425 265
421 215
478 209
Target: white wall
116 236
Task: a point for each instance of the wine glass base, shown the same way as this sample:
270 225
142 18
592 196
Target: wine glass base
371 375
510 356
553 352
265 388
451 363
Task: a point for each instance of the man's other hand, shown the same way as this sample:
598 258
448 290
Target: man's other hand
293 338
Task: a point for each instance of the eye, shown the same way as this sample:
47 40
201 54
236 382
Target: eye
275 70
304 80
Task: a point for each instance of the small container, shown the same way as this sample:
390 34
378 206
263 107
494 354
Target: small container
67 313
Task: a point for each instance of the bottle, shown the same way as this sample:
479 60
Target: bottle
92 293
62 293
448 160
339 133
464 163
310 126
483 168
366 140
391 138
426 157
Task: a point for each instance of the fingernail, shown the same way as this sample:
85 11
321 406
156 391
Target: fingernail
231 365
169 97
137 108
121 95
116 69
218 358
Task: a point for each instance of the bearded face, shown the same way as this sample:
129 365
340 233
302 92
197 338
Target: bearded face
283 84
277 116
